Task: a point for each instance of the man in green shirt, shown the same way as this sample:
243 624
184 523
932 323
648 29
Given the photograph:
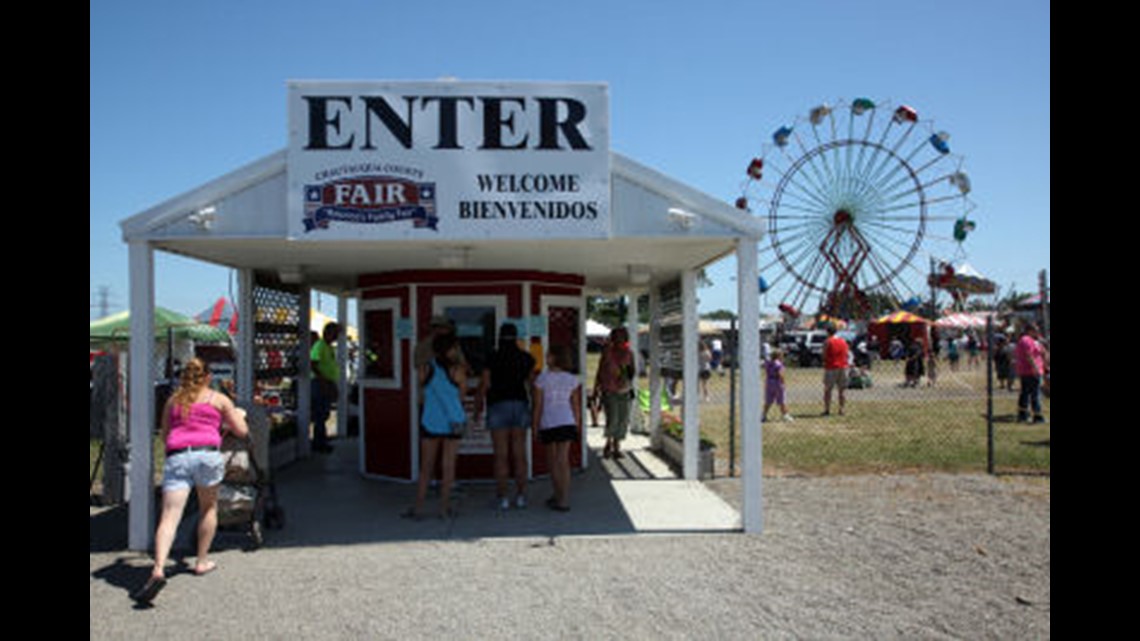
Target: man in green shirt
326 374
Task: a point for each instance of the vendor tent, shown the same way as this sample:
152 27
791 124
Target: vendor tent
117 328
896 318
960 321
223 313
904 326
594 329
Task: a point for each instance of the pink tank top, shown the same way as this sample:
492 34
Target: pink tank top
200 427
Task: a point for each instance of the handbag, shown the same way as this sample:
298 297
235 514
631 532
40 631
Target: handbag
443 407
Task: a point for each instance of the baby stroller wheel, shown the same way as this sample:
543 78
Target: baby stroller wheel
256 535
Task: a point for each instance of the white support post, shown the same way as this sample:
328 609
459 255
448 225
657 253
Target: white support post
654 366
304 376
748 297
631 315
342 366
140 479
413 384
692 407
246 355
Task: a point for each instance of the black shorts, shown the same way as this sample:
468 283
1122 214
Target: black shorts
558 434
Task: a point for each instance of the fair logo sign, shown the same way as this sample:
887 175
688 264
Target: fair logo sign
448 160
369 200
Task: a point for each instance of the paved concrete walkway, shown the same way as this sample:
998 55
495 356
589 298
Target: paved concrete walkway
327 502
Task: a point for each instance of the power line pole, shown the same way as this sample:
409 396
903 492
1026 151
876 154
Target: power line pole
104 304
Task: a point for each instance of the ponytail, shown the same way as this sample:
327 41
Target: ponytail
190 383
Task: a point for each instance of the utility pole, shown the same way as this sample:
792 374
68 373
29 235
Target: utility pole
1043 287
104 293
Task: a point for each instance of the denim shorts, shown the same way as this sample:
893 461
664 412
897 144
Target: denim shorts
187 470
508 414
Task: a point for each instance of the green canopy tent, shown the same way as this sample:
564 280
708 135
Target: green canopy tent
167 324
115 331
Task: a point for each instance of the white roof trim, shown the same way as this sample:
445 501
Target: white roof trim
144 223
701 203
210 193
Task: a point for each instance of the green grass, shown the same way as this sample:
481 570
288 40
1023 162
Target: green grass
885 428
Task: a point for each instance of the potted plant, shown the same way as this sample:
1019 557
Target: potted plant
673 447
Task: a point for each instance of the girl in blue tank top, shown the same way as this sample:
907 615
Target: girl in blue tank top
444 381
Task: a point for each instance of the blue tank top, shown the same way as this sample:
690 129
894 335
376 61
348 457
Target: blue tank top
443 410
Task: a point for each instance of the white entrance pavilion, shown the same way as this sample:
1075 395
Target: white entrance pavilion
646 233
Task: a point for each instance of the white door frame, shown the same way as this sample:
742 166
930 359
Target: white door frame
579 303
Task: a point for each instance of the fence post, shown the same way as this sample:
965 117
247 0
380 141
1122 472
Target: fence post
990 394
110 401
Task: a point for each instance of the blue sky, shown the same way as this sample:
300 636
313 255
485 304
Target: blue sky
182 93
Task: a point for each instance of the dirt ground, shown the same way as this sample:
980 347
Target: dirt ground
911 556
928 556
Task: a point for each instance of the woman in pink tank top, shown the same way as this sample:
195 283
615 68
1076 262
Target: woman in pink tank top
192 424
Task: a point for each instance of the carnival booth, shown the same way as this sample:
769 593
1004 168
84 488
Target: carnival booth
484 203
547 308
904 326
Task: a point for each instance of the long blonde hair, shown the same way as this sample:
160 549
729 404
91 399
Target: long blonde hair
192 381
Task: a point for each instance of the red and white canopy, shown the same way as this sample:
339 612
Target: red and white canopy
961 321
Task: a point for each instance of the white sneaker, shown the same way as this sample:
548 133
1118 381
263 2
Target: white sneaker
504 503
520 502
788 418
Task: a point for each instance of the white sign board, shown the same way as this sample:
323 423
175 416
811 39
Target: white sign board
448 160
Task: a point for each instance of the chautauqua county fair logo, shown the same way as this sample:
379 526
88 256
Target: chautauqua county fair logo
370 200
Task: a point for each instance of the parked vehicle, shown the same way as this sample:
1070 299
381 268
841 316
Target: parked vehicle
804 347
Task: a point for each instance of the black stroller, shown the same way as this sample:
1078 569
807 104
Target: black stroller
247 499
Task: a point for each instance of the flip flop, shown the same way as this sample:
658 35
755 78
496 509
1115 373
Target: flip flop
147 592
411 513
210 567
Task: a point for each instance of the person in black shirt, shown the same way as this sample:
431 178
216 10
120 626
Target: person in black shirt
505 390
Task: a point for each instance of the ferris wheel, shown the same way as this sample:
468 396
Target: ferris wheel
852 192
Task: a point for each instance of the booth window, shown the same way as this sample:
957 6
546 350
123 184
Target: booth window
379 348
475 328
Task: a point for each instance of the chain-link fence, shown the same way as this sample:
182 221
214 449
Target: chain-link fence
896 414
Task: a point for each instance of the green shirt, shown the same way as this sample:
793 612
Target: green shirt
324 361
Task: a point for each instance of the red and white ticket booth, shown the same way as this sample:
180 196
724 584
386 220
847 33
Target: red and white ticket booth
396 309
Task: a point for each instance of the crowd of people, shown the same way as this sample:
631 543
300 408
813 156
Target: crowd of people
1021 360
512 397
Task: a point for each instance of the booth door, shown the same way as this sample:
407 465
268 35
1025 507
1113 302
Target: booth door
384 381
477 320
564 326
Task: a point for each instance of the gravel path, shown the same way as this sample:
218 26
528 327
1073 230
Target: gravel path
927 556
